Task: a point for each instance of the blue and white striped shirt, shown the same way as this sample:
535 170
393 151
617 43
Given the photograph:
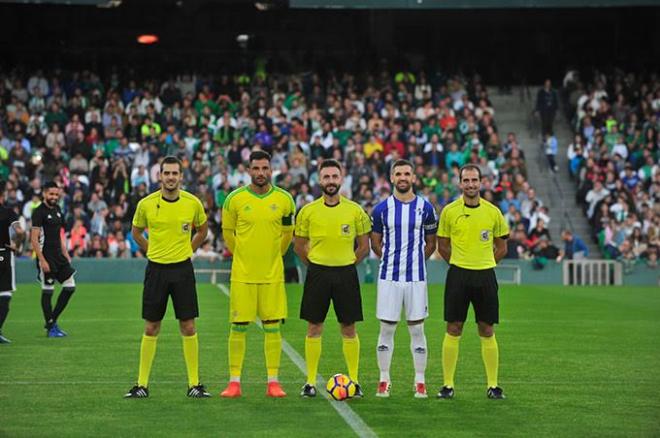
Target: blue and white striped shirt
404 225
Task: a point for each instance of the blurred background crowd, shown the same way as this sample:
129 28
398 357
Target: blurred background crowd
100 136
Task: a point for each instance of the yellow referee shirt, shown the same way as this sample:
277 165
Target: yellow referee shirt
331 230
170 225
471 231
258 222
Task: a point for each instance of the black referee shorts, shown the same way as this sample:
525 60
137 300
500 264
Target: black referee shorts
465 286
329 283
163 280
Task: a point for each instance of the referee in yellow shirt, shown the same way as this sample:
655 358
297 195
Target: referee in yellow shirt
325 235
257 225
169 215
471 237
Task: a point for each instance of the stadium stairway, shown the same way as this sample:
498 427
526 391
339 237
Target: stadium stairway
514 113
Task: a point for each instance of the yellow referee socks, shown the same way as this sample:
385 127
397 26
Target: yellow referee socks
449 358
191 355
351 347
491 357
312 358
237 336
272 349
147 354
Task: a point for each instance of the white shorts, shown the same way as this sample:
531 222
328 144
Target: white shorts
393 295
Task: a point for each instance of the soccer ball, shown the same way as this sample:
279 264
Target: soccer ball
340 387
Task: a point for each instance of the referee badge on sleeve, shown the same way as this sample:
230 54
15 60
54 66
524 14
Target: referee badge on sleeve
484 235
185 227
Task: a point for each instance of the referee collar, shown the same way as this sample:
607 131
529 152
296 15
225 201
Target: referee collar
333 205
170 200
470 206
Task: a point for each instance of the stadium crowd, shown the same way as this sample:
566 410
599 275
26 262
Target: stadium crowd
101 140
615 161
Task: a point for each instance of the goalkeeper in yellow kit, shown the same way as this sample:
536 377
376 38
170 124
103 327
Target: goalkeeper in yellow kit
257 225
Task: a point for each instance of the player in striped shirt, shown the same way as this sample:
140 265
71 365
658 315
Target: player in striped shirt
402 236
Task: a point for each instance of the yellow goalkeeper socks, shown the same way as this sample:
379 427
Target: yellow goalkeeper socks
237 342
272 349
147 354
191 355
312 358
351 347
449 358
491 357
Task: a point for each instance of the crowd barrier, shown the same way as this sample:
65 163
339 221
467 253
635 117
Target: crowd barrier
586 272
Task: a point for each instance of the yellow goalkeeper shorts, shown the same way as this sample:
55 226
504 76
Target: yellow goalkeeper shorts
249 300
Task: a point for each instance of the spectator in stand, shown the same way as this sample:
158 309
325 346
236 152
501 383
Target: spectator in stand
547 103
574 247
543 252
551 149
594 196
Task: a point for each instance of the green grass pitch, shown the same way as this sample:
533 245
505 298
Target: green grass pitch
574 362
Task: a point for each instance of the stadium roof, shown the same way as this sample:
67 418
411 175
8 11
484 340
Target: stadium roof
376 4
466 4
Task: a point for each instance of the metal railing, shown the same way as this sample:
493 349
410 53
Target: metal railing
588 272
516 277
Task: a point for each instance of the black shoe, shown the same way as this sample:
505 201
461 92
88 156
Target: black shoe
446 392
198 391
4 340
308 391
495 393
137 392
358 391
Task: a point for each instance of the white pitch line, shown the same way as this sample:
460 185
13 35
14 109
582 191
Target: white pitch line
343 409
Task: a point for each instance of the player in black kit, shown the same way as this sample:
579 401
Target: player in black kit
53 261
11 234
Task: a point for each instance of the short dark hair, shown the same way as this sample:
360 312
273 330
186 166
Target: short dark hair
469 167
400 163
259 155
50 185
171 159
330 163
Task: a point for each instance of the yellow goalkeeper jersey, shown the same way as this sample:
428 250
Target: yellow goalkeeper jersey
258 222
